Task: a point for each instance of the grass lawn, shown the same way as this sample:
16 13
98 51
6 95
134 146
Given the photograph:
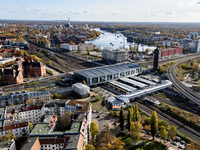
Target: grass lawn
97 105
130 144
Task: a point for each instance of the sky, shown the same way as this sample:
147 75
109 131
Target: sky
102 10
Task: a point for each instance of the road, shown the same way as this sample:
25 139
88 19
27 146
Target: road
187 92
180 126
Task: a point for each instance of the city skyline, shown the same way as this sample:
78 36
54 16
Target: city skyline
126 11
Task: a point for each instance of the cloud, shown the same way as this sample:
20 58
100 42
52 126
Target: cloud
115 13
198 3
170 12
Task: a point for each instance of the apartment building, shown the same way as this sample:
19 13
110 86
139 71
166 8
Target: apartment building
33 112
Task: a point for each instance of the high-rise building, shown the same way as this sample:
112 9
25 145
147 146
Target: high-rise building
156 57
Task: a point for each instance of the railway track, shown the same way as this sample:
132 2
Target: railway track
191 133
68 62
187 92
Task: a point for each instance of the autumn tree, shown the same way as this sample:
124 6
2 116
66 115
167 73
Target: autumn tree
121 119
89 147
9 135
163 132
154 124
30 126
192 146
136 130
172 133
94 128
88 50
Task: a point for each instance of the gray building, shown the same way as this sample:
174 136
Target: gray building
104 74
118 55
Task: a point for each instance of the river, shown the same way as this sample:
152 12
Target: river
115 41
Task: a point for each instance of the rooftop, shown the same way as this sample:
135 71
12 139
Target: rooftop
30 143
81 105
6 144
102 71
74 128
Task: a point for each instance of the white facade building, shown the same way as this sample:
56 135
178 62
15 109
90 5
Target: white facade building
68 47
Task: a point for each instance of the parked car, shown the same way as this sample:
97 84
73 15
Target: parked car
175 143
182 142
178 138
181 146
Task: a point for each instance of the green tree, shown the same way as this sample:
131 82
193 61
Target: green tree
121 119
136 114
136 130
129 120
94 128
64 121
163 132
154 124
89 147
147 121
172 133
30 126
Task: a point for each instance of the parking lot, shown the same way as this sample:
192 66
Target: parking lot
104 119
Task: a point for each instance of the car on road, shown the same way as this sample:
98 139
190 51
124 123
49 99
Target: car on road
98 116
143 131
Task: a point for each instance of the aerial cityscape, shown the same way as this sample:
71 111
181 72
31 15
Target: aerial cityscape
107 75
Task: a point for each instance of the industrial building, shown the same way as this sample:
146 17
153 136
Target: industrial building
119 55
68 47
81 90
104 74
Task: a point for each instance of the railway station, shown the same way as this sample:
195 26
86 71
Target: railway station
104 74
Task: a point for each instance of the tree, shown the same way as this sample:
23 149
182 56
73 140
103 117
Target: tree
21 53
154 124
136 129
163 132
129 120
121 119
192 146
172 133
64 121
72 43
136 114
88 50
30 126
148 50
9 136
94 128
196 77
147 121
89 147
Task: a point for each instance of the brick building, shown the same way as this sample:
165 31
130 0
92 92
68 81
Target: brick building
34 68
11 75
171 51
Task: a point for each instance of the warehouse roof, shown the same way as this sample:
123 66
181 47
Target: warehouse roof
95 72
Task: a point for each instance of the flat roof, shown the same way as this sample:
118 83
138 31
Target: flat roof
40 128
106 70
143 80
30 143
123 86
6 144
74 128
134 83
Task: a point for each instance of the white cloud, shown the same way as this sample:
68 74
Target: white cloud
170 12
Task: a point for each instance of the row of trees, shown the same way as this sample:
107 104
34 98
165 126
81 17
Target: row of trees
151 123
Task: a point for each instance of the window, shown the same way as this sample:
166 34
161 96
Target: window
132 71
102 79
122 74
109 77
127 73
94 80
116 76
